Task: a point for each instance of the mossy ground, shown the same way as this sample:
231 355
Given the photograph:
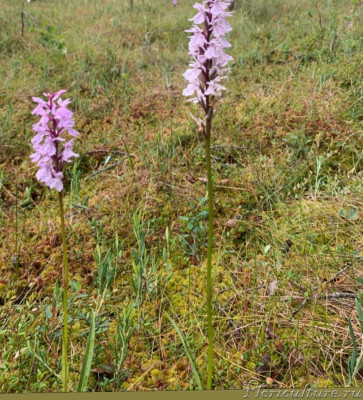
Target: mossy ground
287 162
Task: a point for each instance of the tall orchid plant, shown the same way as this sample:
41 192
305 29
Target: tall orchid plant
51 151
205 77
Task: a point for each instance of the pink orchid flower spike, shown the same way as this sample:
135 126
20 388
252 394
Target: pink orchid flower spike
49 153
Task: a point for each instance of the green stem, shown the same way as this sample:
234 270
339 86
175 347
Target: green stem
210 245
65 298
16 232
357 365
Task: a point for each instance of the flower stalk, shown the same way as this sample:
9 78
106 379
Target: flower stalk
210 249
65 366
204 76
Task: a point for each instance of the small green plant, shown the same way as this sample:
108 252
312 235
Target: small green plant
165 150
192 361
170 243
318 179
111 71
298 144
192 230
125 329
141 258
87 361
106 270
145 266
75 174
27 201
49 37
9 116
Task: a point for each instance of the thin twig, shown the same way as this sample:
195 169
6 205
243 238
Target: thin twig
338 295
230 321
149 34
315 288
300 307
106 169
9 193
121 153
298 285
348 265
22 19
322 296
231 146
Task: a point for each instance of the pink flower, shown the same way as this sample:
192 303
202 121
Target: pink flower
49 155
67 152
206 47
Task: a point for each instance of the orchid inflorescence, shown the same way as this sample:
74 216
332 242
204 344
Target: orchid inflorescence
56 119
206 46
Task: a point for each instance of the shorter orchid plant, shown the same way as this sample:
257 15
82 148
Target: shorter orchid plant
51 151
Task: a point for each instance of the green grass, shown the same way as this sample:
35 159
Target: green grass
288 194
